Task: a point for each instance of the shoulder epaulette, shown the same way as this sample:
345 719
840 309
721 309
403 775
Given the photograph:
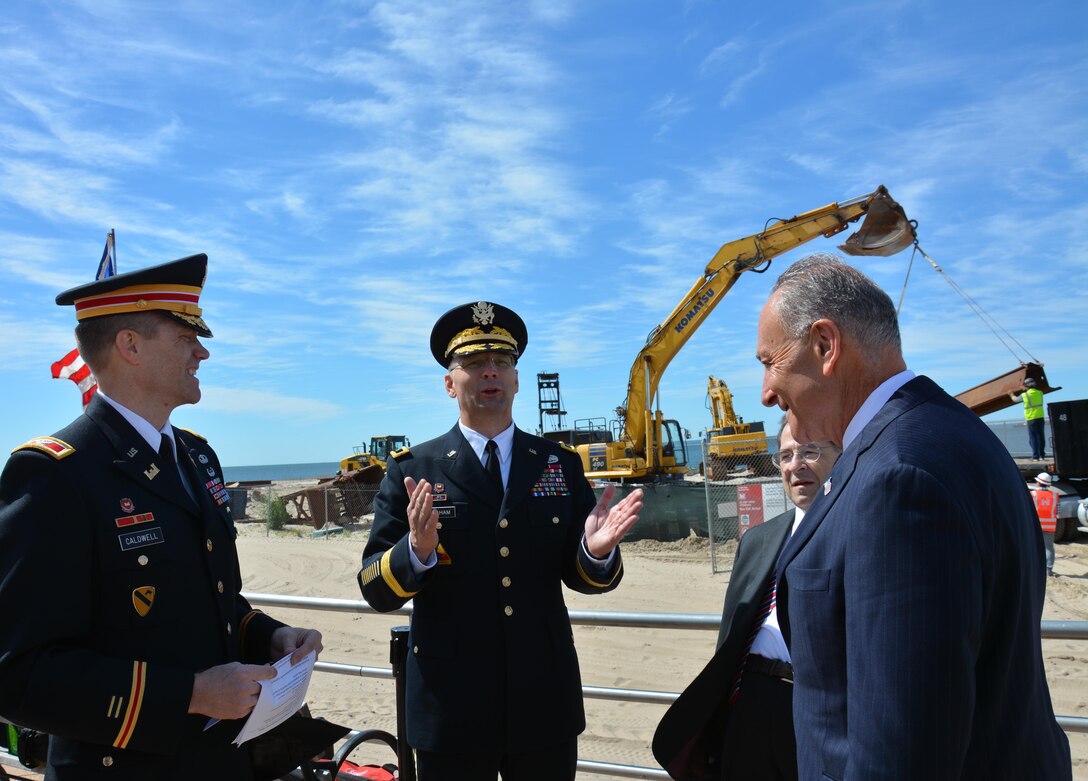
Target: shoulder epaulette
198 436
57 448
571 448
397 455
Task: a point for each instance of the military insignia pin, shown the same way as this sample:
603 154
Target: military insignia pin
553 459
451 454
483 313
131 452
202 458
827 487
142 599
151 471
127 505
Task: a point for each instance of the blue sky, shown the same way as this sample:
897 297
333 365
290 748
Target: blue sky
354 169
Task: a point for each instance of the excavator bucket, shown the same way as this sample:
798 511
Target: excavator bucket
885 231
993 395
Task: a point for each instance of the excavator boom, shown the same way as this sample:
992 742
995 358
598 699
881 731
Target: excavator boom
892 233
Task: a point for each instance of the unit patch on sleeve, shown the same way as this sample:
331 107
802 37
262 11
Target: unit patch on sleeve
551 482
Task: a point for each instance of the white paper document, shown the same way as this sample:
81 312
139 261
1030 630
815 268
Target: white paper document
280 697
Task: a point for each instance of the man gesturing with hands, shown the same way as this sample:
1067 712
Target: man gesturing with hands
480 528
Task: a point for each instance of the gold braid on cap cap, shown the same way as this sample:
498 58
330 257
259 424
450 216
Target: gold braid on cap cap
474 340
180 299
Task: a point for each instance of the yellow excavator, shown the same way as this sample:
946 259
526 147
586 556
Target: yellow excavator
731 443
648 447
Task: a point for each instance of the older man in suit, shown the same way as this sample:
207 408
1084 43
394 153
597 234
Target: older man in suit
735 720
480 527
910 598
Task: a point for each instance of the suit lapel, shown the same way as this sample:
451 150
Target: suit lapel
910 395
463 468
135 458
526 464
198 476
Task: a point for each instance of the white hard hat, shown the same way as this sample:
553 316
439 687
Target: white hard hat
1044 478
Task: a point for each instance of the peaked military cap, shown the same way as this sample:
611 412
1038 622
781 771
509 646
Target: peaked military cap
171 288
477 328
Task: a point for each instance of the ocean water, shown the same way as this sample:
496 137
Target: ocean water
280 471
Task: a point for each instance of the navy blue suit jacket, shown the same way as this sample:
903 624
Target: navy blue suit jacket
911 598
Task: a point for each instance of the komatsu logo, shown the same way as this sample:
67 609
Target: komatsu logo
703 300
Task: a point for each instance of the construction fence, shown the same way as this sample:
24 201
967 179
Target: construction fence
324 505
742 490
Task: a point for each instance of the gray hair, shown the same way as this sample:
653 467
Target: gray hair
822 286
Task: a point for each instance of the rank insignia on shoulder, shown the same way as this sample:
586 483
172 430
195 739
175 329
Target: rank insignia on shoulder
57 448
397 455
565 446
198 436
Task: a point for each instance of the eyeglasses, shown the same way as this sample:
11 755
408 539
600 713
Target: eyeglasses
810 454
500 362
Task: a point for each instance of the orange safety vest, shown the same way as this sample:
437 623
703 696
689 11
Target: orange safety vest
1046 505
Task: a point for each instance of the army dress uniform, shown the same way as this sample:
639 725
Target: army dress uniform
492 665
117 587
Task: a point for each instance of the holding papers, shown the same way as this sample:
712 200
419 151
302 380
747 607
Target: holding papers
280 697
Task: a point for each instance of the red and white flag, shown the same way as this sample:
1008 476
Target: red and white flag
73 368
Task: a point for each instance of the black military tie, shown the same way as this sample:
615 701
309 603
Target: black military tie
494 471
166 453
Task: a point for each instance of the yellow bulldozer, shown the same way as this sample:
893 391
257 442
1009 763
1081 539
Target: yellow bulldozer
381 447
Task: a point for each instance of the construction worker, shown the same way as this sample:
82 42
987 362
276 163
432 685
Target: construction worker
1034 415
1046 504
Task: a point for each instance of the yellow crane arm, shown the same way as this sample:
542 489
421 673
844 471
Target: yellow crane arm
721 404
752 253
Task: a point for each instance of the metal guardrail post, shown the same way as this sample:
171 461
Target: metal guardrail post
398 657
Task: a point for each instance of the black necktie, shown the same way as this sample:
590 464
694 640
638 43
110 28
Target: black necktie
494 471
166 453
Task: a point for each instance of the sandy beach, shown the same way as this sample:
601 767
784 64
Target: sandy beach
659 577
673 577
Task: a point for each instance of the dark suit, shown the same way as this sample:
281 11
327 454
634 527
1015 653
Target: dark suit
688 741
116 589
492 666
911 598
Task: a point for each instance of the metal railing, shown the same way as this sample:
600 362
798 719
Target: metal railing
1050 629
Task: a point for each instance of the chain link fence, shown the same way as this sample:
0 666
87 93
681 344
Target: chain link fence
322 505
742 491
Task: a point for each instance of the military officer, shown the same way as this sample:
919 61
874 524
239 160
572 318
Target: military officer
124 635
479 528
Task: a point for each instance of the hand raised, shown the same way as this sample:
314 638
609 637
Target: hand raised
422 518
604 527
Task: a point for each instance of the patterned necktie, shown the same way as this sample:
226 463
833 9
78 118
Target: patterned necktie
494 471
766 605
